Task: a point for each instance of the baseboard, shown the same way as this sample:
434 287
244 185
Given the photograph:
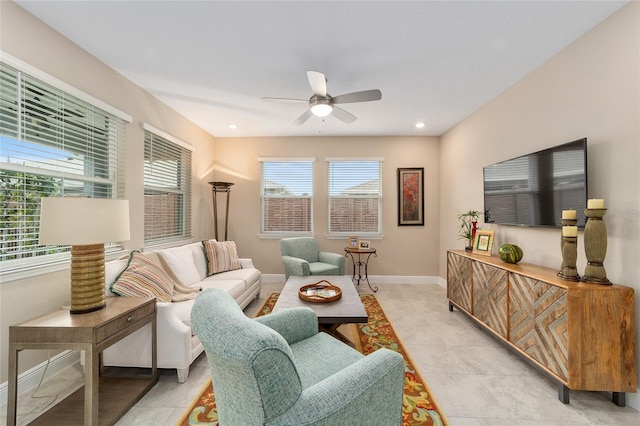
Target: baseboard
272 278
403 279
375 279
30 378
633 400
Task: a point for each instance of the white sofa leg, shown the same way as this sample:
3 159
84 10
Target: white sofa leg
183 373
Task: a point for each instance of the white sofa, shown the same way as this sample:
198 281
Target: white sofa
177 345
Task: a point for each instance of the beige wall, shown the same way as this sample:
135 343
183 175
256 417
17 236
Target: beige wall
237 161
48 51
591 89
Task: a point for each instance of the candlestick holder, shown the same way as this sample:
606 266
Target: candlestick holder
565 222
595 247
569 271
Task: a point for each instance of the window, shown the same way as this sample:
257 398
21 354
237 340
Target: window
167 187
355 197
286 192
54 141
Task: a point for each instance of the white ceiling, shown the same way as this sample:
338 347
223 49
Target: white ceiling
212 61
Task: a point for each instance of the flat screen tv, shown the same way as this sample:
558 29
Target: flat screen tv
532 190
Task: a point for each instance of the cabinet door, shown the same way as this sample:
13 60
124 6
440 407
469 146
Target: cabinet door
459 280
538 321
490 296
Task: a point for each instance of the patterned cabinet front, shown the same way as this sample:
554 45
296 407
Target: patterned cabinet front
490 296
538 322
459 280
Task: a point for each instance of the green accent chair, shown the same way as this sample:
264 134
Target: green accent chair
302 257
278 369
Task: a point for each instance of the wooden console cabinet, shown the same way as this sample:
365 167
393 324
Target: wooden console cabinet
581 335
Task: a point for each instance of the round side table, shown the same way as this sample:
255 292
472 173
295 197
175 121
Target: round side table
361 265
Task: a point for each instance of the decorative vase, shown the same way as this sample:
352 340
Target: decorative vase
474 228
510 253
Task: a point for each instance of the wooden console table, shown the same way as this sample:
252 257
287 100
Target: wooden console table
581 335
91 332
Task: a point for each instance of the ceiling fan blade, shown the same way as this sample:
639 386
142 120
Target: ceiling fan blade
364 96
318 83
304 117
342 115
268 98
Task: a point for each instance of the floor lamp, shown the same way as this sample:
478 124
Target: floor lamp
85 224
223 187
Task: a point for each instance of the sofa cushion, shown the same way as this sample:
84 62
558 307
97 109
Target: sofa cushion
249 276
234 287
112 270
144 277
200 260
180 260
221 256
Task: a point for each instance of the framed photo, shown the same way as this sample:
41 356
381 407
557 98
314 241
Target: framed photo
483 242
353 242
411 196
364 245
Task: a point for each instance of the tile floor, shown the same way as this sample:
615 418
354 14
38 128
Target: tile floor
475 380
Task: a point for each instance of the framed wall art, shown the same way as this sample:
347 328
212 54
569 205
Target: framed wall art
411 196
483 242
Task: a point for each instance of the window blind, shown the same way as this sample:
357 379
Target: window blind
167 190
51 144
355 197
286 192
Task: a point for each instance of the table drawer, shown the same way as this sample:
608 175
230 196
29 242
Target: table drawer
124 321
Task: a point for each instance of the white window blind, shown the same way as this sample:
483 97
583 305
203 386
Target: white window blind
355 197
52 143
167 189
286 192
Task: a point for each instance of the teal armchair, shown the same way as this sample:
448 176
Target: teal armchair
301 257
279 370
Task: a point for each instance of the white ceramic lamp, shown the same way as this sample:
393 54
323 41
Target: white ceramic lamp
85 224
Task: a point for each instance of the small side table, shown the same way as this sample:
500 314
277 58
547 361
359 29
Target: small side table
361 264
91 332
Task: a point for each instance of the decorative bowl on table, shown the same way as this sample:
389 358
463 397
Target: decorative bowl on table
321 292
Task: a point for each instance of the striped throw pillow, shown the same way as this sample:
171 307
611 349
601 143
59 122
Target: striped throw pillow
221 256
144 278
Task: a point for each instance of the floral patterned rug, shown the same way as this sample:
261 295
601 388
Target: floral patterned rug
420 408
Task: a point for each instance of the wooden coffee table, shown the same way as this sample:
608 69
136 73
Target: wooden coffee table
348 309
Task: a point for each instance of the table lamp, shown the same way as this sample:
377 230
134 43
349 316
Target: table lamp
85 224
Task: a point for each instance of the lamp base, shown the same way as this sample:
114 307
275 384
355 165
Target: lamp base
87 278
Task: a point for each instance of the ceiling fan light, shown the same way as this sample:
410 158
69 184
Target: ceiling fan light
321 110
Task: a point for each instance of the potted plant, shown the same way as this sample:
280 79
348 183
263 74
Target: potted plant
468 226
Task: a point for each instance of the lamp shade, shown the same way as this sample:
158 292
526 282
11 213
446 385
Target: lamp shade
83 221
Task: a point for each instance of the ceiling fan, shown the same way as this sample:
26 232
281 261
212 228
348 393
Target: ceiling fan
321 104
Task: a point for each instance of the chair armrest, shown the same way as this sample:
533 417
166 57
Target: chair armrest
246 263
296 266
333 259
369 391
293 324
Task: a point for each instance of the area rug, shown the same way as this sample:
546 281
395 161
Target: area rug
419 405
